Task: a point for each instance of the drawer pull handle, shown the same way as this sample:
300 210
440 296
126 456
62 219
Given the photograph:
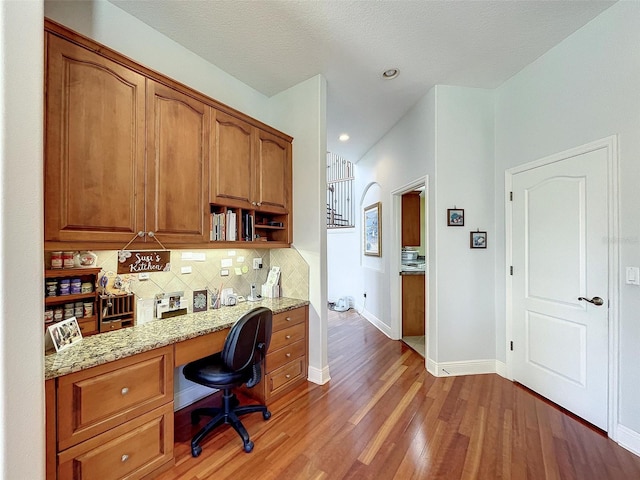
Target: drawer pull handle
124 458
287 376
288 337
288 319
287 355
124 391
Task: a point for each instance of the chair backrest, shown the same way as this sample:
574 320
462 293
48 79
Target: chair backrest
248 340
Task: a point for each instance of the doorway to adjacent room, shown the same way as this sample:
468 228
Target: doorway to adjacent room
411 259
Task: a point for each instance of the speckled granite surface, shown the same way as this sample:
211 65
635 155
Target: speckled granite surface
107 347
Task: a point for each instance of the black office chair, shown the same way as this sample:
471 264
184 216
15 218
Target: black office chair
238 363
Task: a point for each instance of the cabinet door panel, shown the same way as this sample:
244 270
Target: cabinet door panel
232 173
273 173
411 219
94 156
177 165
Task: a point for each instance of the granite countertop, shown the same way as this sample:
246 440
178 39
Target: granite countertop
107 347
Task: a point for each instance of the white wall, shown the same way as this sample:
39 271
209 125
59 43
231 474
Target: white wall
448 135
403 155
465 179
21 237
343 263
301 112
107 24
584 89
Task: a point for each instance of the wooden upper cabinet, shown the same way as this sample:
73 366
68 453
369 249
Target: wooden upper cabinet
232 169
94 151
273 173
411 219
177 165
128 150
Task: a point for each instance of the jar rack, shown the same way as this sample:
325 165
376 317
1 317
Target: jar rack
88 324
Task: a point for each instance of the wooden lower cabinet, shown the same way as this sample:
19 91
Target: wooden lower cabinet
113 421
129 451
288 356
413 305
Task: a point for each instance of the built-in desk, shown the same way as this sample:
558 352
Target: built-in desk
110 398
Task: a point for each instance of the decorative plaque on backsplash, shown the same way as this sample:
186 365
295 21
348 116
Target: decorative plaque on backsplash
144 261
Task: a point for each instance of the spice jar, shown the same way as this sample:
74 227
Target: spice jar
86 287
76 286
56 260
65 286
88 309
79 309
51 288
57 314
48 315
68 311
67 260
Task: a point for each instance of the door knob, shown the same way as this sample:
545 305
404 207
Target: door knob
595 300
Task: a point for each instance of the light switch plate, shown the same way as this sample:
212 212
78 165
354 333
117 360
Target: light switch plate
633 276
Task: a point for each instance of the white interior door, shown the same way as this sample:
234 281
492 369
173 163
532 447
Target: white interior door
560 254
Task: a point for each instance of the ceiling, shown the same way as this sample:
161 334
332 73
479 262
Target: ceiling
272 45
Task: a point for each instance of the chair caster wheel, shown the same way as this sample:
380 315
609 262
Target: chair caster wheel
266 415
197 450
248 446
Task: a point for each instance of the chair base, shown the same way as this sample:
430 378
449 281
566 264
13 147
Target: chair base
228 414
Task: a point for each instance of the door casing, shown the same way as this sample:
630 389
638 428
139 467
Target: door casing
395 280
610 144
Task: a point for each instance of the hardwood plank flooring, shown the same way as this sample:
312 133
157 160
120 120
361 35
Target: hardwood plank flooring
382 416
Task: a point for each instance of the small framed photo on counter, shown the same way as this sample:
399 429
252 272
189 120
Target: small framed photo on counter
65 333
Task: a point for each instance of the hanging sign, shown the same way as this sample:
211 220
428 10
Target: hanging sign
144 261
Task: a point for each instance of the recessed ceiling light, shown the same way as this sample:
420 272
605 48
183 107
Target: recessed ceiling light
390 73
344 137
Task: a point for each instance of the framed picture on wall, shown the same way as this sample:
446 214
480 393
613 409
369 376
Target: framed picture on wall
372 231
478 239
455 217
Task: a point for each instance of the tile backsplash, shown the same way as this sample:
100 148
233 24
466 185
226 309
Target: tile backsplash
294 277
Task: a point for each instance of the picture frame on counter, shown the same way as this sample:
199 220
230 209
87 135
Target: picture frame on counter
372 231
200 302
478 239
65 333
455 217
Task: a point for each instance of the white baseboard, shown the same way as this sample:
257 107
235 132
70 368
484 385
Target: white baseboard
376 322
318 376
501 369
470 367
629 439
190 395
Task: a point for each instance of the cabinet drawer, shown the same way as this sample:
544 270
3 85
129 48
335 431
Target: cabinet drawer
288 318
282 356
97 399
287 336
88 327
287 376
129 451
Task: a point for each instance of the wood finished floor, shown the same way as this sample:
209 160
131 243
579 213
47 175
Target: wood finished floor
382 416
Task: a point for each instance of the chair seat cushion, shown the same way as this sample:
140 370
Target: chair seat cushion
211 372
